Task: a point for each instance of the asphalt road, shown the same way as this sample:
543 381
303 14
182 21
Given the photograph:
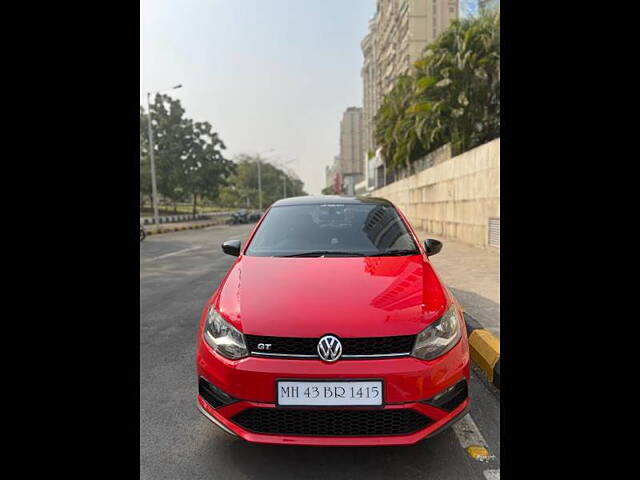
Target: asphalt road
178 273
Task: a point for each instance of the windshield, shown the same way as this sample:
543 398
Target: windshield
332 230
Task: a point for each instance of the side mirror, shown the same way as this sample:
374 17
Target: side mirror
231 247
432 246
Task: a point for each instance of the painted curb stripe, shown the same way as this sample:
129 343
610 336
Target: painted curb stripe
484 348
178 229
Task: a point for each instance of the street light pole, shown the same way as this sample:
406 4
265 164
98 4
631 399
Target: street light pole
259 187
154 188
258 161
282 165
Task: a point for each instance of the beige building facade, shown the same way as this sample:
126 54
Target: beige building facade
351 142
398 34
350 164
369 85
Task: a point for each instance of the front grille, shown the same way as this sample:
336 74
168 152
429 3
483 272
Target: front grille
331 423
307 347
283 345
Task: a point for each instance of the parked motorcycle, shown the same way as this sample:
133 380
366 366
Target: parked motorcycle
241 216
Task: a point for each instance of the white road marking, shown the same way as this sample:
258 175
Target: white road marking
468 432
469 436
492 474
173 253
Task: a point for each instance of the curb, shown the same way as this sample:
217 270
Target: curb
183 217
179 229
484 348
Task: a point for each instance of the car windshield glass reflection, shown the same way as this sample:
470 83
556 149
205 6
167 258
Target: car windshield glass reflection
332 230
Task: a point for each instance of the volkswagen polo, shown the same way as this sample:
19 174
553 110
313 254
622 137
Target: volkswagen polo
332 328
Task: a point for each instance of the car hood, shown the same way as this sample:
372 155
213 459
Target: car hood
344 296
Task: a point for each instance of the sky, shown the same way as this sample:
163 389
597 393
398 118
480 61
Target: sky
269 75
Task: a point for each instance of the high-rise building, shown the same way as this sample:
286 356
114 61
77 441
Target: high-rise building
487 5
369 93
332 175
351 141
351 165
398 34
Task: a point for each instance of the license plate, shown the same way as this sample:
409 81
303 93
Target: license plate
329 393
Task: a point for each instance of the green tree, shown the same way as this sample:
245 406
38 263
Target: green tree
188 155
205 169
171 138
457 98
242 187
452 97
394 128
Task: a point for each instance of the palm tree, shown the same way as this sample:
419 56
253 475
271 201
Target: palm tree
459 79
394 129
452 97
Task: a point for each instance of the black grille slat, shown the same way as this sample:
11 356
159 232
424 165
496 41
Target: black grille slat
350 346
284 345
456 399
334 423
451 399
377 345
213 396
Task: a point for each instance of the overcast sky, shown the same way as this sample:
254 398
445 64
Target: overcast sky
267 74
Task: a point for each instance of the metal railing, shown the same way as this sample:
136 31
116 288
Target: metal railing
429 160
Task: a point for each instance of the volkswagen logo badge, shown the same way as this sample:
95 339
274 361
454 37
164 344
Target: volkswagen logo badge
329 348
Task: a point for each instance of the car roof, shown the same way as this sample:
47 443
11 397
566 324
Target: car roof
330 199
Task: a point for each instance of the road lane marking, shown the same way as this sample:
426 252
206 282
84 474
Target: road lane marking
173 253
492 474
471 439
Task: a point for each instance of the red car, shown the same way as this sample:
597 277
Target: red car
332 328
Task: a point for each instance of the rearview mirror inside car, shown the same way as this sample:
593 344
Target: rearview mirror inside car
432 246
231 247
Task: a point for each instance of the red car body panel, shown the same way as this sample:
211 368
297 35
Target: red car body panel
347 297
406 379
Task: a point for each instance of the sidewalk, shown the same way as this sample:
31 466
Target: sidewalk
473 276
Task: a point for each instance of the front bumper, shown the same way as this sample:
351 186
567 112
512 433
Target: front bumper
218 418
408 382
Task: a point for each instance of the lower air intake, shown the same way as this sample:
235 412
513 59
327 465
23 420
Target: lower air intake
331 423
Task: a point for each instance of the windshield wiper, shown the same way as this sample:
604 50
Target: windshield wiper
395 253
322 253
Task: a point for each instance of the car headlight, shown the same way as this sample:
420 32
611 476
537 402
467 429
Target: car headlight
439 337
223 337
